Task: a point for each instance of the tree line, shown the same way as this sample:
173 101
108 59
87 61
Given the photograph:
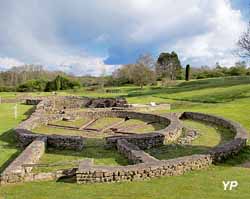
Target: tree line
145 71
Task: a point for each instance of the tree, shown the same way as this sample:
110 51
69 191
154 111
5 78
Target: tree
61 83
187 72
168 66
147 60
142 75
33 86
123 74
237 70
244 43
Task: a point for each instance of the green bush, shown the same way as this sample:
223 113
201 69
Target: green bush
32 86
61 83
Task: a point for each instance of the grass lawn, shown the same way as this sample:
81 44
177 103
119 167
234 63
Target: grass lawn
8 149
231 100
94 148
209 136
132 125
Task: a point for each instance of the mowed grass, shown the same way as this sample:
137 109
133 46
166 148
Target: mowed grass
8 149
205 184
132 125
208 136
94 149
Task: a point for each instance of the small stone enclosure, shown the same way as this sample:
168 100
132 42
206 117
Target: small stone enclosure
143 165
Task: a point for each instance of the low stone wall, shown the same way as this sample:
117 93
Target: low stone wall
32 101
133 153
143 141
16 171
48 176
75 102
131 146
142 171
66 142
228 149
24 138
174 130
122 114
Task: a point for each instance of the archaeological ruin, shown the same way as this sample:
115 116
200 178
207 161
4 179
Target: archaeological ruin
130 144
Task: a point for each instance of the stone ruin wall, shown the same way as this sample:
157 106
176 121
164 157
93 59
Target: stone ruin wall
229 149
133 153
16 171
145 166
55 103
76 143
142 171
146 169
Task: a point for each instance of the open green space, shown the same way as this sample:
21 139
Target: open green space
132 125
94 148
208 136
227 97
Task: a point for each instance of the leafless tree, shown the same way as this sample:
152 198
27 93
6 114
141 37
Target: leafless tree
146 60
244 44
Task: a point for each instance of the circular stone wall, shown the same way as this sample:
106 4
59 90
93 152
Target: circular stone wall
132 146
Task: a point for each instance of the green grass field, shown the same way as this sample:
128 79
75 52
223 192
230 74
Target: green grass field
227 97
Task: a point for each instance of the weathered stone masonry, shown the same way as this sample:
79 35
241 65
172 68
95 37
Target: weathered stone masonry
131 146
142 171
224 151
177 166
16 171
133 153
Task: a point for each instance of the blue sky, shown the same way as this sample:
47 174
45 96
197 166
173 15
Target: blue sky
95 36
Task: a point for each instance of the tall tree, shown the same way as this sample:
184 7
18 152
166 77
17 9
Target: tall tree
168 66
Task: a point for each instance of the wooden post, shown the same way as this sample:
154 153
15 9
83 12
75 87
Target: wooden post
15 111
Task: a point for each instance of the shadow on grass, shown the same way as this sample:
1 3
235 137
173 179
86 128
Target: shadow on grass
30 111
174 150
94 148
199 85
9 138
70 180
224 133
210 99
171 151
239 159
7 162
9 143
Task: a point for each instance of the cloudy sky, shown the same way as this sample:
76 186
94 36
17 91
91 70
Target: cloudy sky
96 36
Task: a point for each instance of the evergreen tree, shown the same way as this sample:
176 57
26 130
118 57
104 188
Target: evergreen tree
187 72
168 66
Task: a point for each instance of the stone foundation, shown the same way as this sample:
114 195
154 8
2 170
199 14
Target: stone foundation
142 171
143 141
17 170
133 153
131 146
229 149
24 138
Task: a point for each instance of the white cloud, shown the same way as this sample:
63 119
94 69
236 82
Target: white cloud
6 63
219 42
78 36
